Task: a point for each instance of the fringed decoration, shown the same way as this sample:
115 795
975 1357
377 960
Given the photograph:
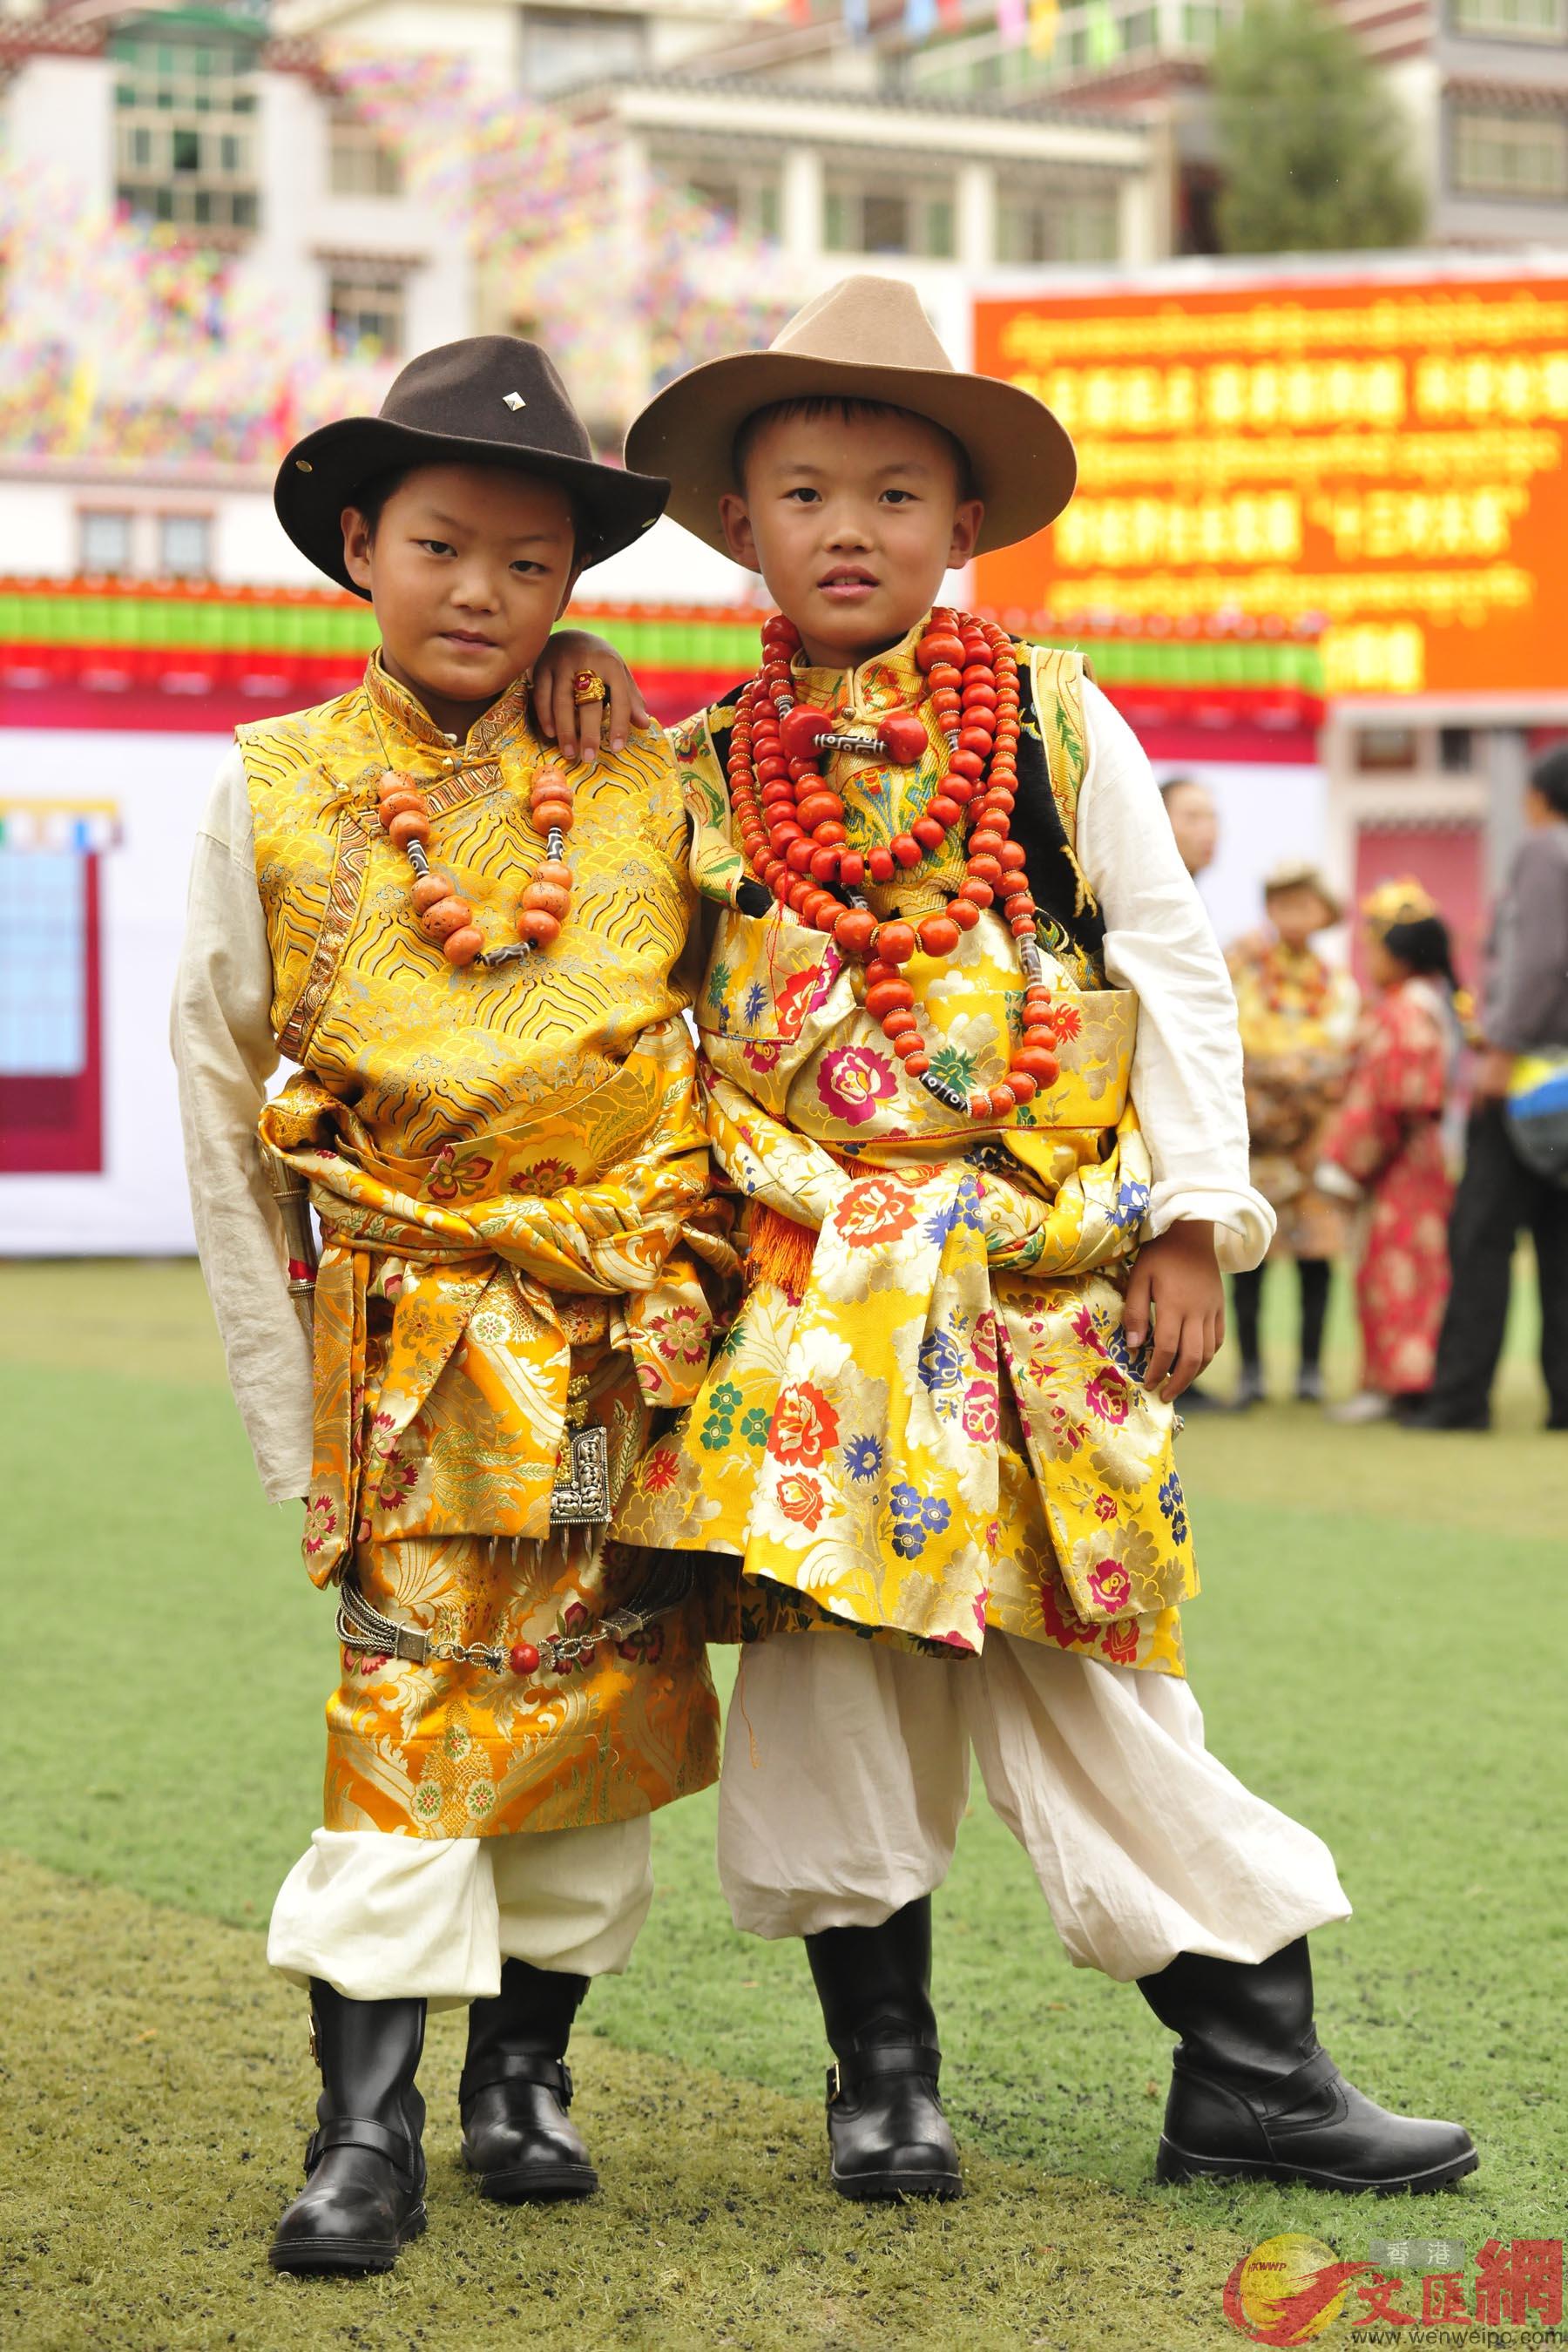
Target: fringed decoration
780 1252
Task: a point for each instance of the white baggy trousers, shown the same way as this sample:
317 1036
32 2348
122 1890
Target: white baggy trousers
383 1917
846 1774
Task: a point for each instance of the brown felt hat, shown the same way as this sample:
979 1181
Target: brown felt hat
864 338
490 400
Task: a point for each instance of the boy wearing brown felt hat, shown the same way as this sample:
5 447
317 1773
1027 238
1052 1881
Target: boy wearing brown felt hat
971 1066
473 955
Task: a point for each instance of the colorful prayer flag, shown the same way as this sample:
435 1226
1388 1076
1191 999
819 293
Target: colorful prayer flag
1043 15
1104 34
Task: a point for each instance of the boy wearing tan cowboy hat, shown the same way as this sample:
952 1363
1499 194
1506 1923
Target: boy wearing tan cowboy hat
973 1070
471 954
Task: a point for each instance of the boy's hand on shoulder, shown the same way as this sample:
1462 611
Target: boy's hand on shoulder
581 730
1176 1285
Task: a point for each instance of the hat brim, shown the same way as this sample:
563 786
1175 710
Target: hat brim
1022 459
1305 878
320 473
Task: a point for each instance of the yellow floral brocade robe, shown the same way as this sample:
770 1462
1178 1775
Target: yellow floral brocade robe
512 1183
924 1422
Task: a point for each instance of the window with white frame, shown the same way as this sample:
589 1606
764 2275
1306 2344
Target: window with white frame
1513 20
106 542
367 309
1497 152
747 195
1202 24
1057 220
360 163
43 964
185 127
186 546
563 46
872 213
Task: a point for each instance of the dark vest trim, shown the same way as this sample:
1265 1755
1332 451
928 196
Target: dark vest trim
1037 827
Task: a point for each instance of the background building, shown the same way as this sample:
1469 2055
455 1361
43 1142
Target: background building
202 243
1484 84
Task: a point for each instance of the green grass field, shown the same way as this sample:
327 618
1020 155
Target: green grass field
1379 1649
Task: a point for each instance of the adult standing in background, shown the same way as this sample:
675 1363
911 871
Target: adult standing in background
1526 1007
1195 821
1298 1015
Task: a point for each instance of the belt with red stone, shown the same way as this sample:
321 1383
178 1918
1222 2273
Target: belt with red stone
364 1628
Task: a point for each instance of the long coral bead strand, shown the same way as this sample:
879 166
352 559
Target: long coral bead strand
792 830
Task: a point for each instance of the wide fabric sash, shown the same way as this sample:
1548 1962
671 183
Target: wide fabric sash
781 1016
484 1288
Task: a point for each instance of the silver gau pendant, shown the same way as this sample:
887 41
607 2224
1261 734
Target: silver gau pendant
581 1494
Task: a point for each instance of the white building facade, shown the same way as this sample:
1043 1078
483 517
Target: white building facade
197 127
233 134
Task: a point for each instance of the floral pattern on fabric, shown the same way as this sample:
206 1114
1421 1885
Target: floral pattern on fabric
511 1178
1387 1135
956 1438
1297 1014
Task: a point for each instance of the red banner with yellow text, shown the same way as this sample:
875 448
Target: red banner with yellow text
1386 458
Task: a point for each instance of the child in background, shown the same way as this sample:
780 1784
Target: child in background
475 959
1386 1146
1298 1015
972 1071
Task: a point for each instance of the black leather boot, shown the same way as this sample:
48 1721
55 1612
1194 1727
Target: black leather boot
1254 2097
516 2089
885 2130
364 2169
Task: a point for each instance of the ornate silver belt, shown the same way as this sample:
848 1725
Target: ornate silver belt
362 1627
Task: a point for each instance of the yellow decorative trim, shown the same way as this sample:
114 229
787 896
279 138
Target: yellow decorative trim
356 830
456 792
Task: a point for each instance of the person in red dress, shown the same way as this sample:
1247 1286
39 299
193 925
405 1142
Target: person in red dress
1386 1146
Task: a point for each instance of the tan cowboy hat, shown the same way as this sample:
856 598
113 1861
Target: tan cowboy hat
1302 874
1020 457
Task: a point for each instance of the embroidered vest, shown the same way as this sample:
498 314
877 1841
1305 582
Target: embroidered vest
781 1011
423 1058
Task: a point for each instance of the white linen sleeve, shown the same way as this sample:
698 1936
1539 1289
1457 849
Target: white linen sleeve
1159 942
221 1034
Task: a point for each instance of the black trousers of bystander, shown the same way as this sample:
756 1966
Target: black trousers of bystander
1498 1198
1314 1275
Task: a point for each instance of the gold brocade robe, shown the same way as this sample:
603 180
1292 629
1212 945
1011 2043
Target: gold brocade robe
1298 1015
924 1422
511 1179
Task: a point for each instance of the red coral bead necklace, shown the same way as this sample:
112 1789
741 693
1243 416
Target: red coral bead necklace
442 914
791 829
